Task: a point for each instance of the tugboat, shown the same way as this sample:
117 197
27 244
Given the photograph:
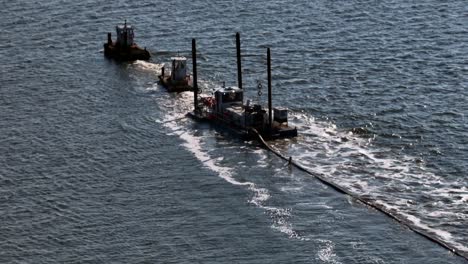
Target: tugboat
124 48
178 80
226 108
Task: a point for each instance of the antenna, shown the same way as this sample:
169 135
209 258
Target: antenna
269 87
195 84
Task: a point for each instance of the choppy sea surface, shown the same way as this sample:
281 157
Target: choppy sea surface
95 168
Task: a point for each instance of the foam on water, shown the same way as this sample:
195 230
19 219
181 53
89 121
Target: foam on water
341 156
148 66
261 195
327 253
77 129
395 182
280 216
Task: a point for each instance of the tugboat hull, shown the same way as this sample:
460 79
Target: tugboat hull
131 53
175 86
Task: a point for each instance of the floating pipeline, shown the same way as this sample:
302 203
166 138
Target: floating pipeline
361 199
253 132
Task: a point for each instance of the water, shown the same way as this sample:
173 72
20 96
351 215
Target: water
91 171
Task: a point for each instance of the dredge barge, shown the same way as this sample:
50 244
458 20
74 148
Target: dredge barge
226 107
124 48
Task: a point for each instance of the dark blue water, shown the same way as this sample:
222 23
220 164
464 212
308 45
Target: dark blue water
92 169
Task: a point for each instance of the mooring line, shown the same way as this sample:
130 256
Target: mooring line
363 200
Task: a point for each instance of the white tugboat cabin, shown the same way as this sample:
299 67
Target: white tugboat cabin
178 80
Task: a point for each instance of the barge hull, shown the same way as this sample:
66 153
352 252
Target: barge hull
245 132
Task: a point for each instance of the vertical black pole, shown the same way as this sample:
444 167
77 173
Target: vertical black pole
109 39
195 84
239 66
269 87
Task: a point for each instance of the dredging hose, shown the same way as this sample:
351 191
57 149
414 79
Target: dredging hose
363 200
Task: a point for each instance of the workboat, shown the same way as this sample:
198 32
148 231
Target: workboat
124 48
178 80
226 107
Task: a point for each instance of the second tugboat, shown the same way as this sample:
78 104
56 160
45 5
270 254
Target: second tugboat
226 108
178 80
124 48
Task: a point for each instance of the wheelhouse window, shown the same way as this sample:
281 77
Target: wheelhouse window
232 97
